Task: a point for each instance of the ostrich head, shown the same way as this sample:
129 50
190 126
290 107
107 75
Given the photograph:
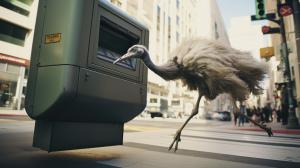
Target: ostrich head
136 51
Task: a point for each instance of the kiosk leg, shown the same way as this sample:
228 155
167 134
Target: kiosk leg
55 136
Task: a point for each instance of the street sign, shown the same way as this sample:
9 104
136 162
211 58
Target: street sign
285 10
266 52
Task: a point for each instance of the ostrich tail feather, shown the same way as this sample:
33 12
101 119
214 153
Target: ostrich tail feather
252 72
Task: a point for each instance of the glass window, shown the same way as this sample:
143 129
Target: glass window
15 69
153 100
158 24
216 31
27 2
3 66
117 2
19 6
175 102
177 37
169 33
12 33
26 73
177 4
158 18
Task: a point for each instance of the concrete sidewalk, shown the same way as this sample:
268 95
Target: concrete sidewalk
8 112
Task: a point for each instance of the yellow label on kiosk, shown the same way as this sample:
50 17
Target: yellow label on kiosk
53 38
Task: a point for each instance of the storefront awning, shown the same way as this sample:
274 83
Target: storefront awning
13 60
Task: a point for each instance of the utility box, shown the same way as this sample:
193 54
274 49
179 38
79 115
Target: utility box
73 83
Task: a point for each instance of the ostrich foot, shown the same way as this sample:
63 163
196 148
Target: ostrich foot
267 129
261 125
176 140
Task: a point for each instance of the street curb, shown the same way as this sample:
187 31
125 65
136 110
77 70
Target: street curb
9 115
278 131
13 113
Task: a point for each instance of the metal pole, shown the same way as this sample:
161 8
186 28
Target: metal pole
296 7
292 119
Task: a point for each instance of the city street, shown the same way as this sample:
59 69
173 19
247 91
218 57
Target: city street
130 73
204 144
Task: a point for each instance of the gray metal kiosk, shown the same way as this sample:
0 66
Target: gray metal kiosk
78 98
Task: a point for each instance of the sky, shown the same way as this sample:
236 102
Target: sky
234 8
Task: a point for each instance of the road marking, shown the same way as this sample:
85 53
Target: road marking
286 136
139 128
217 156
243 141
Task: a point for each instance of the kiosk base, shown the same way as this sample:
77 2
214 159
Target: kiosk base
55 136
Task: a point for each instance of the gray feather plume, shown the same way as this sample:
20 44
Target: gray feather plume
214 69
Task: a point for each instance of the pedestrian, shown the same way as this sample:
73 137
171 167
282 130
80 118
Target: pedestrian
235 116
266 111
254 115
284 104
242 114
274 115
4 97
278 113
248 113
258 115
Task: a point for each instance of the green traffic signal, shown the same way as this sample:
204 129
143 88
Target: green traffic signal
260 9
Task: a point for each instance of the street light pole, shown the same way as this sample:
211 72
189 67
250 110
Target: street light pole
292 119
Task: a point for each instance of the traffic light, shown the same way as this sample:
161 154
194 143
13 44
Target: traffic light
270 30
260 9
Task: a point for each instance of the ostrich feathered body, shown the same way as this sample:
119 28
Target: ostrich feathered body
213 68
209 67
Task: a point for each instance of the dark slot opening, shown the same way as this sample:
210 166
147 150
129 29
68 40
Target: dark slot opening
114 41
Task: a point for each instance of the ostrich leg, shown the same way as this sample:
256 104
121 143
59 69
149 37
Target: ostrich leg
262 126
178 133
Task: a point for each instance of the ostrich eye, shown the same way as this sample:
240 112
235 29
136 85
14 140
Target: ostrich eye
140 51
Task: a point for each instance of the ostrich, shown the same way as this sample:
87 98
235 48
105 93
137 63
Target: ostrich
210 68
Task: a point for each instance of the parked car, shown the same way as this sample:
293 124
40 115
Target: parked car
222 116
171 115
208 115
156 114
217 116
145 114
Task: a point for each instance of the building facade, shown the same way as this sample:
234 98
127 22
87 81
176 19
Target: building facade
170 22
17 21
278 60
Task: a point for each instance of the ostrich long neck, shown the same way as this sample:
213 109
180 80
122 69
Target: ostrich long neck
168 71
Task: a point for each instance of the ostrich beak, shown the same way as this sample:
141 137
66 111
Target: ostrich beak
123 57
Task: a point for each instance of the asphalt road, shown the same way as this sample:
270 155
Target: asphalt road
204 144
